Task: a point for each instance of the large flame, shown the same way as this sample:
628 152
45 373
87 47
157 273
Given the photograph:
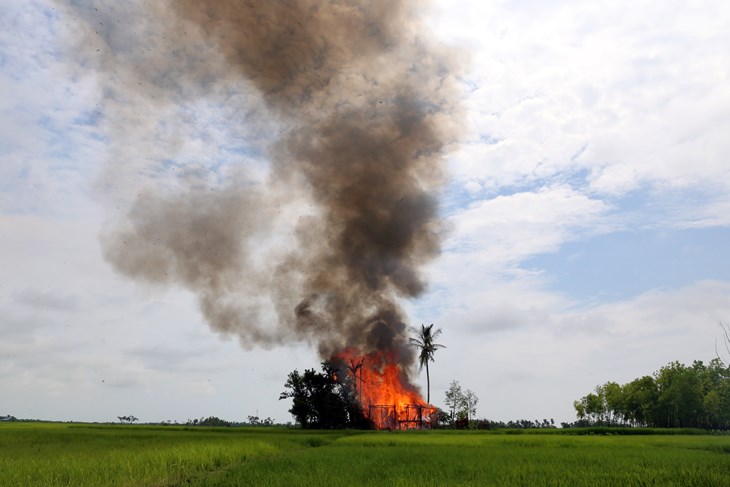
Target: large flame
383 390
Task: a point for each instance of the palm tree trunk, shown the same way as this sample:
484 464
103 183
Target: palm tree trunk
428 385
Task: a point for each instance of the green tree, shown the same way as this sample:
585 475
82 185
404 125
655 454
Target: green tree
640 396
595 408
614 400
425 341
469 404
676 396
213 421
680 395
454 398
580 409
318 400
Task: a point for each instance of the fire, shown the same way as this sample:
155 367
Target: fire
382 388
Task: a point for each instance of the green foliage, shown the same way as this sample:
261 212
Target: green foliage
454 398
676 396
425 340
320 401
213 421
462 404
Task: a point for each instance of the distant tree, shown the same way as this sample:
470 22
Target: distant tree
469 404
680 396
677 395
462 404
580 409
425 341
454 398
594 406
213 421
613 401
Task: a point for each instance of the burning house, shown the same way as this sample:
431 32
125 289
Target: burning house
384 393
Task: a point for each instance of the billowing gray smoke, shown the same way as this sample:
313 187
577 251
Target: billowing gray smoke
364 110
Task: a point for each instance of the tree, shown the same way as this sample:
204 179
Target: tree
454 398
463 404
614 400
424 340
469 404
213 421
640 396
320 401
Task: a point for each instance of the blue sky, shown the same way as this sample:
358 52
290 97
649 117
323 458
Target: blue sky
587 212
623 264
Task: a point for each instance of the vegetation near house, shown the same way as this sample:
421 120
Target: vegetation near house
321 401
462 404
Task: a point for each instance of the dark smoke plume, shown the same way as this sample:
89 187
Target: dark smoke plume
364 109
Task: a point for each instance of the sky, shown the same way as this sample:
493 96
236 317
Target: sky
587 216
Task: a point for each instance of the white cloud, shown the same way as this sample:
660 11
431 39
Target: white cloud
504 230
625 94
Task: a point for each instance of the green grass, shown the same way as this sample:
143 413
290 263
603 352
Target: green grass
434 458
46 454
80 455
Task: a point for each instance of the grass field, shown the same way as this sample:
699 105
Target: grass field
95 455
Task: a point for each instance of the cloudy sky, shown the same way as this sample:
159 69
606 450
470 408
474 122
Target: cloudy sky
587 214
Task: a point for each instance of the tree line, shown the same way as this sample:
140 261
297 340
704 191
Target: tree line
675 396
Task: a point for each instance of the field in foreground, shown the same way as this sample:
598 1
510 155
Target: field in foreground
59 454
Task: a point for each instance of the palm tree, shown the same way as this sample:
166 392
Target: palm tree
424 340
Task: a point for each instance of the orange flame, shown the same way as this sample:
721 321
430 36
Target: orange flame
382 388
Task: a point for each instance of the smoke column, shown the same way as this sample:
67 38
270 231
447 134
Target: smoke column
364 110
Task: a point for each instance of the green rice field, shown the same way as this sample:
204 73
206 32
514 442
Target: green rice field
46 454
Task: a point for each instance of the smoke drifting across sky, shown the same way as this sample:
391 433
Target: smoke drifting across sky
357 109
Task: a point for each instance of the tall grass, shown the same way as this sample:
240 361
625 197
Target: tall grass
73 455
58 455
438 459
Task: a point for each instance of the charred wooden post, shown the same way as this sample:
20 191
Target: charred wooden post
354 367
411 416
